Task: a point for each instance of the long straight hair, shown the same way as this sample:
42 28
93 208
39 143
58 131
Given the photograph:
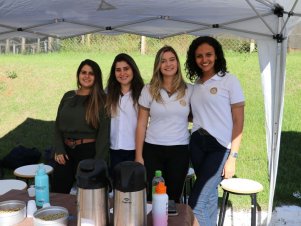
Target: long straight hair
96 98
114 87
156 82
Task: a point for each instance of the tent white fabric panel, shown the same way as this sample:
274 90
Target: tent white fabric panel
272 58
145 17
269 22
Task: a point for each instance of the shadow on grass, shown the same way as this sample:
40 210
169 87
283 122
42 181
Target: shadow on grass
31 133
289 171
231 208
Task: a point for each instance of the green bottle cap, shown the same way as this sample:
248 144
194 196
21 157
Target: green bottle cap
158 173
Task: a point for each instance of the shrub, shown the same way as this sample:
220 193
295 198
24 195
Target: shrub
12 74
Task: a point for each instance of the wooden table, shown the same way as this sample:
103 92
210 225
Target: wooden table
9 184
185 217
29 171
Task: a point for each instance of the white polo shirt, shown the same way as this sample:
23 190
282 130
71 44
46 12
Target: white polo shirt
123 125
168 123
211 106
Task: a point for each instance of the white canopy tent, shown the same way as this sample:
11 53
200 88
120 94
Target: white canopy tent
269 22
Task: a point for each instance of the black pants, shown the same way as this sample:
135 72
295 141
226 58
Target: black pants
64 175
118 156
173 161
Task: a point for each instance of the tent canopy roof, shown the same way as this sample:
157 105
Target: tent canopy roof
61 19
263 20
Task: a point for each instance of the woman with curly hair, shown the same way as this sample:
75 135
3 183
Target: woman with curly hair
217 105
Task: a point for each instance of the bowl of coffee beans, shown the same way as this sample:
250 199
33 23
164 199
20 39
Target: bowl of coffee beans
51 216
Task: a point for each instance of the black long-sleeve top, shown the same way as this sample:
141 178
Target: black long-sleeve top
71 123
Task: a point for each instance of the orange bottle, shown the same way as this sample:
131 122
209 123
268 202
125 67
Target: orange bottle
160 206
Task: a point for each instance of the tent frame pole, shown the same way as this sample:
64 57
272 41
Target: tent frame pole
277 115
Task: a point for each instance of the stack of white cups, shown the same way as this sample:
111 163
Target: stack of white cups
31 208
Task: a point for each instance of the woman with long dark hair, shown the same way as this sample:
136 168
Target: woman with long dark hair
123 90
81 126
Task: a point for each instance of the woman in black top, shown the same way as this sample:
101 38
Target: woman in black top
81 127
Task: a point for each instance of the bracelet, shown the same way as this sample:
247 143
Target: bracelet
234 154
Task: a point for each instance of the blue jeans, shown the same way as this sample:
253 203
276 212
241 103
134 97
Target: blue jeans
208 158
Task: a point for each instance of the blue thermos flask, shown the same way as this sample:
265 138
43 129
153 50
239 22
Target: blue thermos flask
41 186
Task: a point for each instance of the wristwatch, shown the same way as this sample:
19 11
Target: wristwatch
234 154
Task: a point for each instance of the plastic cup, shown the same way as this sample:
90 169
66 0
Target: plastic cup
31 191
31 208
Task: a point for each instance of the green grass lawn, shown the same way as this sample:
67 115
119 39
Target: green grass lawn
31 87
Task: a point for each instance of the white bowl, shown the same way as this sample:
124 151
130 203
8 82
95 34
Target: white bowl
12 212
40 217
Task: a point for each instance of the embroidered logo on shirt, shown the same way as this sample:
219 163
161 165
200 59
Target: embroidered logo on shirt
183 102
213 90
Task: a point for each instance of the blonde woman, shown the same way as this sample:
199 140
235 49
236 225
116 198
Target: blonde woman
162 135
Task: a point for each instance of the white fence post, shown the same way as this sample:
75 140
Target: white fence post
7 46
143 45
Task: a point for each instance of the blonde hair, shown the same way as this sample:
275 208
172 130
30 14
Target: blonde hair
156 82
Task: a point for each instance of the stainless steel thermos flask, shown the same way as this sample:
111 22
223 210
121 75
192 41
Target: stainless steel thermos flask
92 197
129 194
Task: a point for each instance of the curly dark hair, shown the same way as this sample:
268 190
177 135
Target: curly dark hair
192 69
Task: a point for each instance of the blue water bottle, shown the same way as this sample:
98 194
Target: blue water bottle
41 186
